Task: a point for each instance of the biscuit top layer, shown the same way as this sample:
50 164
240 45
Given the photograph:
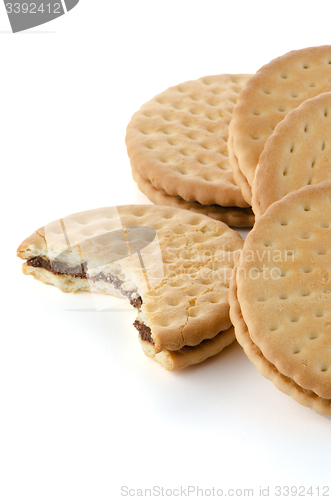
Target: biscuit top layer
284 286
187 265
178 140
297 154
276 89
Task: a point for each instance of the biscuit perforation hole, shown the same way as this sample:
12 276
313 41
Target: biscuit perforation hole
194 136
213 102
319 314
174 142
313 336
306 208
145 131
325 113
168 118
208 146
281 109
283 296
167 131
195 97
173 301
204 160
149 113
305 129
188 124
321 251
278 273
273 328
195 111
325 225
323 145
294 319
151 145
187 152
312 84
164 159
324 368
296 350
305 293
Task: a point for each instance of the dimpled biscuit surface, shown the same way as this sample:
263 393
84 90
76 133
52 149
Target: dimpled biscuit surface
178 140
276 89
297 154
281 295
187 267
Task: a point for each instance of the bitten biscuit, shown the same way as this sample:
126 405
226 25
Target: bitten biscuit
174 267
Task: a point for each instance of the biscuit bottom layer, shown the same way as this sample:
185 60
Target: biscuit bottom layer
42 269
266 368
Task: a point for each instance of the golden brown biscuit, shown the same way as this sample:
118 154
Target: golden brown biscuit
276 89
173 265
297 154
178 140
232 216
281 295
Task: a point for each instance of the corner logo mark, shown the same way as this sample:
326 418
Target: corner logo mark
25 15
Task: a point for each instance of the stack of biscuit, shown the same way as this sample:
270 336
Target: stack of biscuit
277 144
177 145
239 150
279 148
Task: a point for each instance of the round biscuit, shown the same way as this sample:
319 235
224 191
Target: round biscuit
277 88
178 140
283 284
297 154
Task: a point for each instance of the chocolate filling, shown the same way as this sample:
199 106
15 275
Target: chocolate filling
57 267
144 331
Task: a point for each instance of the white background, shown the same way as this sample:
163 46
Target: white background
82 411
